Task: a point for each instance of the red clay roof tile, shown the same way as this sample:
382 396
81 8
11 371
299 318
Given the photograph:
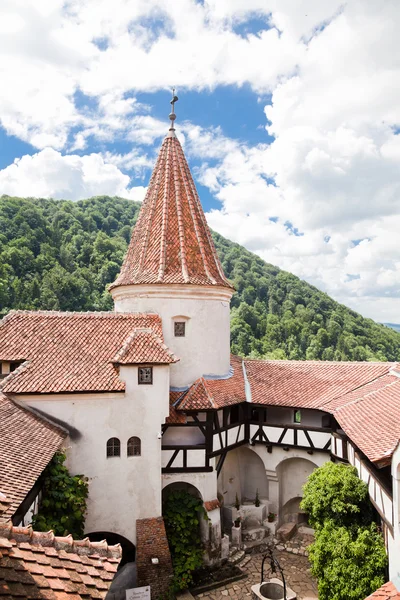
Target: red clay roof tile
387 592
81 572
23 435
71 352
144 346
307 384
205 394
171 242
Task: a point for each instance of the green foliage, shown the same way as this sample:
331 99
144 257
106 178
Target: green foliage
335 493
237 503
182 513
257 500
61 255
63 504
348 556
349 563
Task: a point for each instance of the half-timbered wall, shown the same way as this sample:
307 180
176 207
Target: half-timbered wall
299 436
379 490
186 446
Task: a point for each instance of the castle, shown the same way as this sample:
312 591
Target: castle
148 396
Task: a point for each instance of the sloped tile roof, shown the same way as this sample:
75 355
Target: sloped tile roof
363 397
40 565
387 592
68 352
171 242
144 346
307 384
197 397
205 394
27 444
372 420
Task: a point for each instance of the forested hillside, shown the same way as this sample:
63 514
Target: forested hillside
62 254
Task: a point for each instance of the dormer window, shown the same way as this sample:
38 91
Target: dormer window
145 375
179 328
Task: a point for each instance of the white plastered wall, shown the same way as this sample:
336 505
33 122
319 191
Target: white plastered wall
205 349
121 489
205 483
279 483
394 542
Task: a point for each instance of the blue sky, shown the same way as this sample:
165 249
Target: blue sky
287 113
239 112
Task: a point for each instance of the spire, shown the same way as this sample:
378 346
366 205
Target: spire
172 115
171 242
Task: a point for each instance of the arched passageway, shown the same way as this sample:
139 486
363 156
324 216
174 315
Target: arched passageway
292 475
128 549
181 485
243 474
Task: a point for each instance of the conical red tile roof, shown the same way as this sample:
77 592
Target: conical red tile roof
171 242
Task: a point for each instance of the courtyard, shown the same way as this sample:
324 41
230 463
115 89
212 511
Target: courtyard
296 569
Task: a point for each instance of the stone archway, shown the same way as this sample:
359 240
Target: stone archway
243 474
292 475
182 485
128 548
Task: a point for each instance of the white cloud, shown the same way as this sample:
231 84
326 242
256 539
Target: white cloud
48 174
332 171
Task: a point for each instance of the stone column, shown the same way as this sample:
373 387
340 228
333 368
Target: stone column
273 487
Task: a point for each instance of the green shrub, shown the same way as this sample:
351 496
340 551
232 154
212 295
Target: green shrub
349 563
335 493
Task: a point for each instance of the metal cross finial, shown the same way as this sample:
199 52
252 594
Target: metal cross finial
172 115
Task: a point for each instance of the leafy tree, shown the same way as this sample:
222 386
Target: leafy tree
63 504
335 493
182 513
349 563
61 255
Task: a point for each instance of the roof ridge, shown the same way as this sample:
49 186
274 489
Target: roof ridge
47 539
77 313
191 391
161 268
195 224
127 344
350 391
181 228
321 362
368 394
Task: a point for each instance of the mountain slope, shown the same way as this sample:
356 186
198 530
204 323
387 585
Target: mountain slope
395 326
60 255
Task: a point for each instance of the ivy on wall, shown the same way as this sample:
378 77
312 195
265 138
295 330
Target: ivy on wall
182 513
63 505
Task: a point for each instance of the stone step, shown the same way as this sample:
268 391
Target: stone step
237 557
244 562
232 550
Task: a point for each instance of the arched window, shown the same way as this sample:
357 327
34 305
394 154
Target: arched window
113 447
134 446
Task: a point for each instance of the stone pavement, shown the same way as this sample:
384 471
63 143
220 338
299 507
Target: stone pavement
296 569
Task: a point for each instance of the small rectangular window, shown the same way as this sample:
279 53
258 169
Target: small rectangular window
297 416
179 327
145 375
